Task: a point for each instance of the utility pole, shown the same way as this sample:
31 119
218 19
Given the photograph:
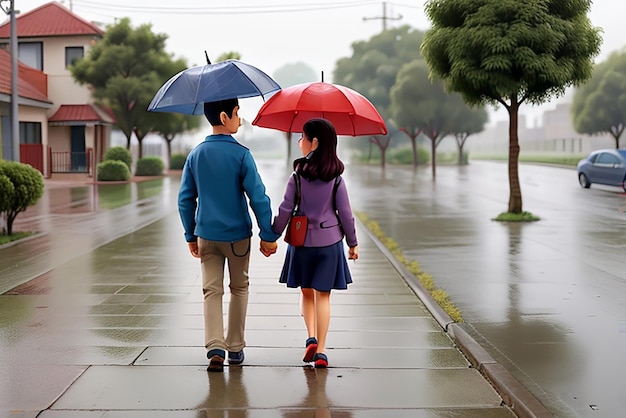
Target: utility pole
384 17
14 144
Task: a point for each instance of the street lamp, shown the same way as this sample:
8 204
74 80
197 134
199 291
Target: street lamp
8 6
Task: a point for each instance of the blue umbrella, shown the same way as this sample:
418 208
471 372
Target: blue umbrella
189 89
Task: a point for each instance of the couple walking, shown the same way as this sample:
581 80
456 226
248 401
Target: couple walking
218 175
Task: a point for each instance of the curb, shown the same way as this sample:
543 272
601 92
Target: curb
515 395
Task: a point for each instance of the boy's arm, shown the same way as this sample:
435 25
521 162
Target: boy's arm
259 200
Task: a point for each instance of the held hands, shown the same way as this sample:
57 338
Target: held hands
353 253
268 248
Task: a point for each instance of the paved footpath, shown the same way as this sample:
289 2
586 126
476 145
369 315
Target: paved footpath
117 331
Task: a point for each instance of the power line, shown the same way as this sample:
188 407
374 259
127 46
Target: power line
221 10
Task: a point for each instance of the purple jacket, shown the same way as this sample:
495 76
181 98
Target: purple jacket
316 203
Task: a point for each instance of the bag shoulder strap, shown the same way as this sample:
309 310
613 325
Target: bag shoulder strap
296 206
335 187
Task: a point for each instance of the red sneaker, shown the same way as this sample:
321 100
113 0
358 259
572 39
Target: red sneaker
311 349
321 361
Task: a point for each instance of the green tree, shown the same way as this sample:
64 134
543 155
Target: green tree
421 105
509 52
374 64
467 121
126 68
600 105
175 123
295 73
21 186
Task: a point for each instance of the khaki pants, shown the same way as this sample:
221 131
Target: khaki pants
213 255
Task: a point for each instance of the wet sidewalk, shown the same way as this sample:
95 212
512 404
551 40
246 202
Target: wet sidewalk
117 331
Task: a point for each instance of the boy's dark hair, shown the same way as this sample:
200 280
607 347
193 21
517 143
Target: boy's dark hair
323 163
212 110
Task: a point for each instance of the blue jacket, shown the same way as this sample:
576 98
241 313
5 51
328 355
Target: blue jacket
325 226
211 200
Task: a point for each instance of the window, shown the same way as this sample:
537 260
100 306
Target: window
30 133
31 53
606 159
72 53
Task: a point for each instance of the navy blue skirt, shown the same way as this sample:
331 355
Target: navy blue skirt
320 268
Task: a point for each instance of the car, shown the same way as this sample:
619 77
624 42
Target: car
604 166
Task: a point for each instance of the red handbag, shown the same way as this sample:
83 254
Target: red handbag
298 223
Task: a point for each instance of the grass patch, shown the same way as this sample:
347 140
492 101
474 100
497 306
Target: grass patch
5 239
439 295
564 160
516 217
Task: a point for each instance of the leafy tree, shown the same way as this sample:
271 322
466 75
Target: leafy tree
126 68
600 105
382 142
374 64
467 121
509 52
421 105
295 73
175 123
21 186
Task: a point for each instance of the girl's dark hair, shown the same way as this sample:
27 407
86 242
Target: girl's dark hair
212 110
323 163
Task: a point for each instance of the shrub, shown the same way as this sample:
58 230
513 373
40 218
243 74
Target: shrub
113 170
177 161
119 154
21 186
149 166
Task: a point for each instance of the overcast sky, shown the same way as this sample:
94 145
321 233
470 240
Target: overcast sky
272 33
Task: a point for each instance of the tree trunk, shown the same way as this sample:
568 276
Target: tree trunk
433 158
414 145
515 191
139 148
288 134
460 141
168 143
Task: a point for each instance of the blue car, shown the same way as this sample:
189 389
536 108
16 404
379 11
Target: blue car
605 166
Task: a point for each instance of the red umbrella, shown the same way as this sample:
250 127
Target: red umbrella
349 111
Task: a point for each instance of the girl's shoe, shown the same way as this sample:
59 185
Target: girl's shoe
311 349
321 361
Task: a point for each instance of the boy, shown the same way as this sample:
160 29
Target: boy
218 227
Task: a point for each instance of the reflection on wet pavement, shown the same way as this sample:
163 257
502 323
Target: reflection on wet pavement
117 331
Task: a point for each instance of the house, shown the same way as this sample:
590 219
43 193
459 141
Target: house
61 128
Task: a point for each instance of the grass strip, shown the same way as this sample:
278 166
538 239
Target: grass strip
439 295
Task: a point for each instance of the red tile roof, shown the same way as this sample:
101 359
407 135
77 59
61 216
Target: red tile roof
50 19
79 113
31 83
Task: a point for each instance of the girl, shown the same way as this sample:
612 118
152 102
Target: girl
320 265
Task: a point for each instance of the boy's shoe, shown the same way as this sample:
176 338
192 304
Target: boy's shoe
311 349
216 360
235 357
321 361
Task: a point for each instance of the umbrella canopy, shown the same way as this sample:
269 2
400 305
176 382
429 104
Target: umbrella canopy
349 111
189 89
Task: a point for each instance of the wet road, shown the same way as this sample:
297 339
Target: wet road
547 299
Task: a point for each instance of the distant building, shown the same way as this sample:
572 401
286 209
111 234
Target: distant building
61 128
555 134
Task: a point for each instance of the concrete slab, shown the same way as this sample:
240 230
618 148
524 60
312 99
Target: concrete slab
170 388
